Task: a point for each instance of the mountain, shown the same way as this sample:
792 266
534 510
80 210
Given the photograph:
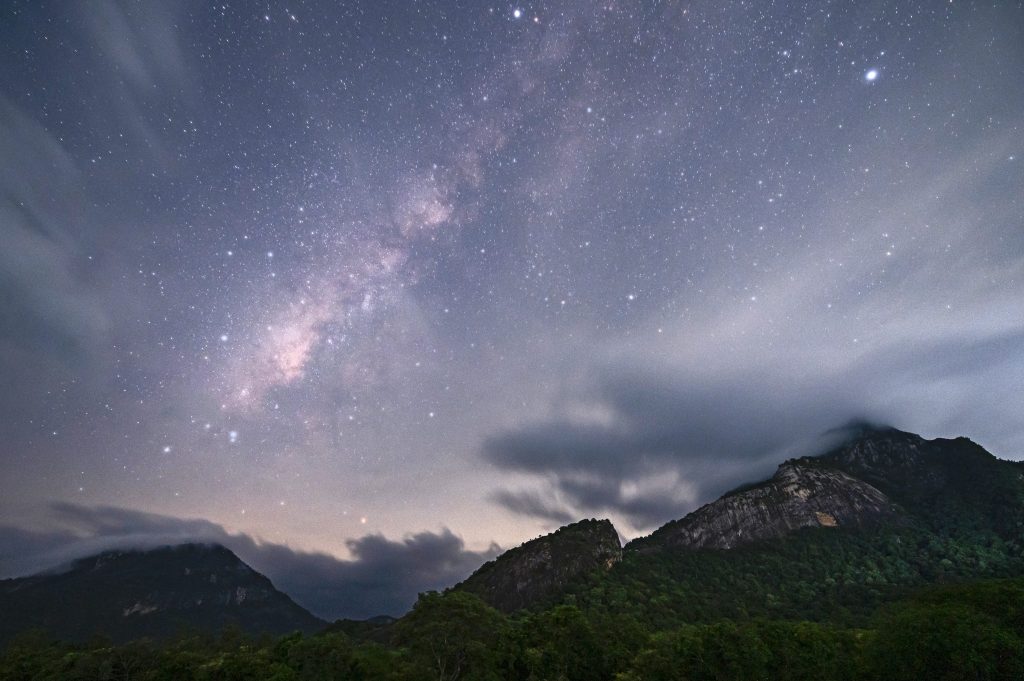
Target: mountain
542 568
150 593
880 476
801 494
826 537
887 557
830 537
376 628
946 483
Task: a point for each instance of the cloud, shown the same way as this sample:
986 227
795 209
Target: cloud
143 46
666 440
532 504
648 441
384 576
140 72
917 328
48 304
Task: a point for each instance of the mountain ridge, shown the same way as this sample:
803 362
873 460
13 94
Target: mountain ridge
879 484
881 495
157 592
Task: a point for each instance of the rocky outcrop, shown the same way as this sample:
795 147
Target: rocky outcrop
802 493
540 569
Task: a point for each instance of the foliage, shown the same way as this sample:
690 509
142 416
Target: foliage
966 631
455 636
816 574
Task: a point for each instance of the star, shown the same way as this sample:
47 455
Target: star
374 257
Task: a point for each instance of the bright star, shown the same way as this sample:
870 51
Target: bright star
871 75
517 13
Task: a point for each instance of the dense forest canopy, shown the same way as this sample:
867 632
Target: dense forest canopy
966 631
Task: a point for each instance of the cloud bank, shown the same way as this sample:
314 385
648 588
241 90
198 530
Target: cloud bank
384 576
663 442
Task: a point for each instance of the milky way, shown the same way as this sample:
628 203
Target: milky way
456 273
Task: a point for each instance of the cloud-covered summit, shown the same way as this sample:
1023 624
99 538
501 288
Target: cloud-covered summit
383 576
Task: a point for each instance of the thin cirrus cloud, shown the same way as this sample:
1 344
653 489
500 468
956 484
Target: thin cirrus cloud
49 306
927 339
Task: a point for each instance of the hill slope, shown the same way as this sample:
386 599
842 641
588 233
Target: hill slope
907 512
827 537
155 593
542 568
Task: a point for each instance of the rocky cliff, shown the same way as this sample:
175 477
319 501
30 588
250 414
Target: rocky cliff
541 569
802 493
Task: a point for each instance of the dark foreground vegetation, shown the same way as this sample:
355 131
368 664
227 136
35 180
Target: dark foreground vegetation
965 631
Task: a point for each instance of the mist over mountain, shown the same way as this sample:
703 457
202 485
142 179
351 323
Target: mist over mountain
886 556
127 595
874 482
381 577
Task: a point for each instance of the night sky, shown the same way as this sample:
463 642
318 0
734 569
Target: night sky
367 290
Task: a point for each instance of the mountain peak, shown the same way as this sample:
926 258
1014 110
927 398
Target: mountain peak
541 568
859 427
134 593
877 474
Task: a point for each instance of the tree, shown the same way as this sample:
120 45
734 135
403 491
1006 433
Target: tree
455 636
946 642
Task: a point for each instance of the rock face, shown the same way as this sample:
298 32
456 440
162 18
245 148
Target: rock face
802 493
155 593
879 474
540 569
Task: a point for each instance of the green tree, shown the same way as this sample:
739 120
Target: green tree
455 636
946 642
